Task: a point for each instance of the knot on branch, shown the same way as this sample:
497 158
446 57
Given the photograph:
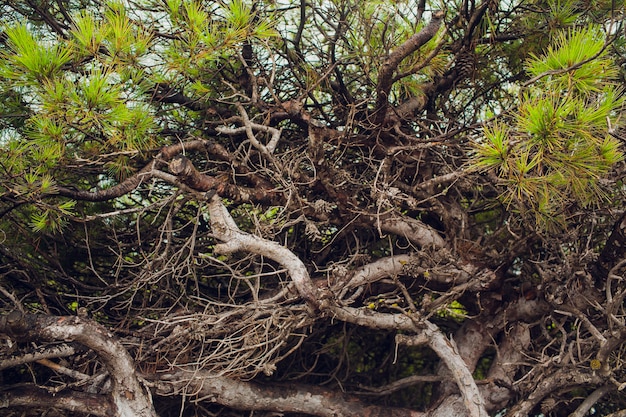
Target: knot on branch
14 324
183 168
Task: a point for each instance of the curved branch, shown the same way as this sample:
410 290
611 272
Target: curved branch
385 76
183 168
131 183
116 191
412 229
129 397
437 267
447 350
187 174
225 229
249 127
476 335
377 270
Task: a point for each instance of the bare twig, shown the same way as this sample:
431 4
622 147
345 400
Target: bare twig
58 351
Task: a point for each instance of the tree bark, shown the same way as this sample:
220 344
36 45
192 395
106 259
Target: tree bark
129 397
291 398
75 401
385 75
226 230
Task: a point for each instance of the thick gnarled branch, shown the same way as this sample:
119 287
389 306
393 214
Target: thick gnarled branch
128 395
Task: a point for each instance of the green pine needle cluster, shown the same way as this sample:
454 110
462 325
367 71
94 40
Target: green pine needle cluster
551 152
90 93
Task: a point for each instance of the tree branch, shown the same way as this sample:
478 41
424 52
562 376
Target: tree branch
290 398
75 401
448 352
510 353
226 230
129 397
58 351
116 191
591 399
385 75
412 229
249 127
562 379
